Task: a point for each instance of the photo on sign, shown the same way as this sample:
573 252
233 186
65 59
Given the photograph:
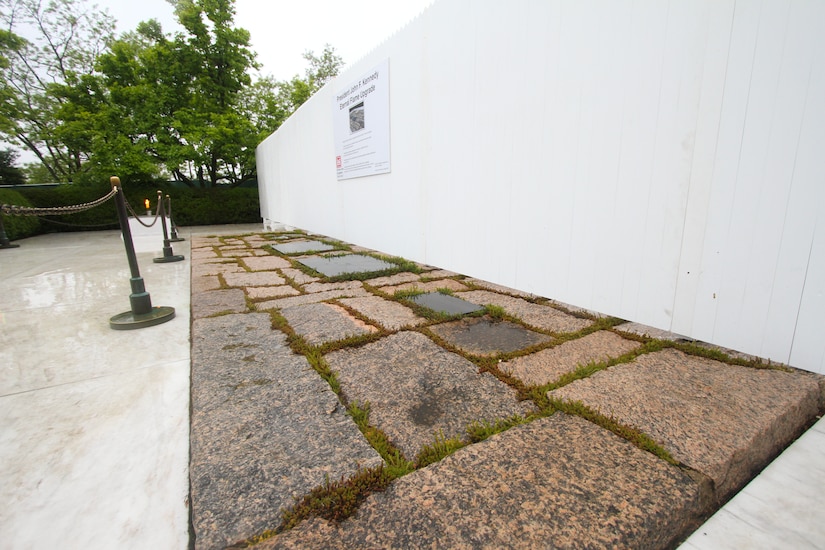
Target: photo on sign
356 118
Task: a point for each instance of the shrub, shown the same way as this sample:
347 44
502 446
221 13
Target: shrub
189 206
18 227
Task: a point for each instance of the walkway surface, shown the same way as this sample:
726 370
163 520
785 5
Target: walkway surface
571 429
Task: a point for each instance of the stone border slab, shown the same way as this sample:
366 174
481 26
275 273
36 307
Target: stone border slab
543 317
558 482
725 421
254 402
322 323
418 390
548 365
390 315
209 303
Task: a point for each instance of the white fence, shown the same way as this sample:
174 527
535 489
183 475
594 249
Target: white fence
660 161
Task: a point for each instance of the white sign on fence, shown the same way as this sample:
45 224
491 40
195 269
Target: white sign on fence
361 115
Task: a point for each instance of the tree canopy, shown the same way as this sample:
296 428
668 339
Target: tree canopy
147 104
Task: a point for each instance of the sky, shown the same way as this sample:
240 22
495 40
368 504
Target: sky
282 31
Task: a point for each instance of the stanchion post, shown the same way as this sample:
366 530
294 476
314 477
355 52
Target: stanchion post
173 228
168 255
142 313
4 239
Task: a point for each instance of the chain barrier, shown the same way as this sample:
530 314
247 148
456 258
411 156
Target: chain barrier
14 210
157 213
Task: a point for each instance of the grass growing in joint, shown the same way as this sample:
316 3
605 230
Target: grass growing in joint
317 362
495 312
337 500
438 449
396 464
633 435
479 431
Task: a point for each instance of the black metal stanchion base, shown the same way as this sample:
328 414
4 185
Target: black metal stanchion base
173 237
142 313
168 256
9 245
130 320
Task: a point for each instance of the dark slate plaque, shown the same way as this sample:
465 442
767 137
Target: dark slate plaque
445 303
296 247
351 263
485 337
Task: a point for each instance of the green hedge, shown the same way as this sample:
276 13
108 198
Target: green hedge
189 206
18 227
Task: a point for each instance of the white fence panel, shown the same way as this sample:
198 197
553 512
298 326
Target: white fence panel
661 161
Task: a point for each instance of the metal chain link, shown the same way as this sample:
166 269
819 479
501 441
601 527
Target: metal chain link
15 210
157 213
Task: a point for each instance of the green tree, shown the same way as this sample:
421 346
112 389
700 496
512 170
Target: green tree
296 92
35 172
67 36
147 105
180 99
9 173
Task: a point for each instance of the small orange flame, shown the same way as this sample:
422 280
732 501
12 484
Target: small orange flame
146 203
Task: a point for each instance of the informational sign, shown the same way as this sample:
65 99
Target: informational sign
361 118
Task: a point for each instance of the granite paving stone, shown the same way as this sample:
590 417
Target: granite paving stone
725 421
209 303
575 309
311 298
324 287
390 315
485 337
204 283
254 402
499 288
440 274
236 253
255 278
256 241
548 365
429 286
644 330
558 482
298 276
203 253
245 253
418 390
322 323
543 317
203 242
398 278
264 292
233 242
210 268
265 263
266 429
